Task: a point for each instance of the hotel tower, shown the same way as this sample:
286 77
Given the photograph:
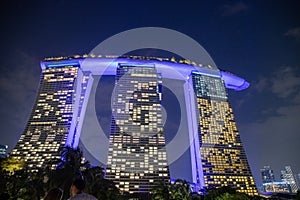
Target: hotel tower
137 151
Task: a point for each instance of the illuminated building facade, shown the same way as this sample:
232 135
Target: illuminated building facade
298 179
223 159
52 123
137 155
267 175
49 124
276 187
3 149
288 176
136 149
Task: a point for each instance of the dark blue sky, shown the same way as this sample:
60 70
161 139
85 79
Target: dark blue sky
257 40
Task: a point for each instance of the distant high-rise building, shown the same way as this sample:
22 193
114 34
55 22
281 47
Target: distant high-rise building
287 176
298 179
137 152
267 174
3 150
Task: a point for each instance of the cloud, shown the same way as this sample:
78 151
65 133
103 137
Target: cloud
233 9
285 82
274 140
261 84
296 99
294 33
19 80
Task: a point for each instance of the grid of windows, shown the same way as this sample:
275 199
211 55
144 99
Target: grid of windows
3 149
208 86
287 176
48 126
224 161
137 154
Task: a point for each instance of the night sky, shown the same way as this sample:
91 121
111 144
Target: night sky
257 40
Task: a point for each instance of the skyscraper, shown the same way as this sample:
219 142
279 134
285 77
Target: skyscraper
287 176
267 174
3 149
298 179
49 124
222 156
137 150
137 154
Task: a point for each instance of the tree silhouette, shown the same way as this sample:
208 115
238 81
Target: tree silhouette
12 164
180 189
71 166
161 191
298 195
98 186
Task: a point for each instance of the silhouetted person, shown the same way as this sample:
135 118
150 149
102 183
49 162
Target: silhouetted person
54 194
76 191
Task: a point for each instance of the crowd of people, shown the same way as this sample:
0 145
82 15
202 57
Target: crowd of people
76 192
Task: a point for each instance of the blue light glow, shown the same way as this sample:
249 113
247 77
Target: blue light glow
178 71
107 66
62 64
133 64
206 74
234 82
276 183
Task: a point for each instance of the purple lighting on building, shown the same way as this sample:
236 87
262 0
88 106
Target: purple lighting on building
107 66
234 82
